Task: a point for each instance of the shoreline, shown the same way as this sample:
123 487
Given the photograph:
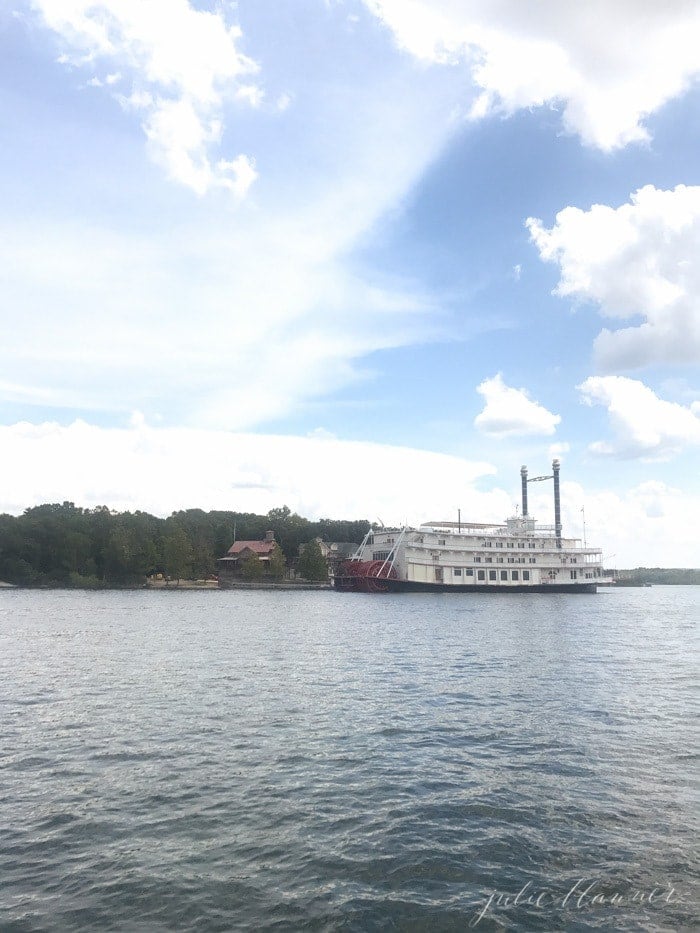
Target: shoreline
189 585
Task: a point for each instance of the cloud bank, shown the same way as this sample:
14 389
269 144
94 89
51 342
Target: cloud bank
609 65
161 470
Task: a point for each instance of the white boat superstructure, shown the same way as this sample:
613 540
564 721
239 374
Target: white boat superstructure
463 556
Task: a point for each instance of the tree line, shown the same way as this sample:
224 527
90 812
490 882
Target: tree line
65 545
657 576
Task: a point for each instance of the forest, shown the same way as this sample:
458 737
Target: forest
65 545
657 576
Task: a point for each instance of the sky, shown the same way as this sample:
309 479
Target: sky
364 258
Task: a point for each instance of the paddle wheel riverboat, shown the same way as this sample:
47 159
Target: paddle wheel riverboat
518 556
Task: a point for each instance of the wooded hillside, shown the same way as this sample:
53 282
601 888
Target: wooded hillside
64 545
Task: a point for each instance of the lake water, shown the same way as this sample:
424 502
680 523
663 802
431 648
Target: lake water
326 761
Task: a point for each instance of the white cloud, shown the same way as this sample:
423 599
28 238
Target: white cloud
608 64
182 65
643 424
250 93
511 412
160 470
639 260
225 329
182 310
559 450
283 102
652 524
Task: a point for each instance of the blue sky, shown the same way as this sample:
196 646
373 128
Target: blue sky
363 258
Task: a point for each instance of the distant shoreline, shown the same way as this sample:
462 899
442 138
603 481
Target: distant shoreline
206 586
189 585
242 585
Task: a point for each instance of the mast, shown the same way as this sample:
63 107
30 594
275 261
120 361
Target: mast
523 483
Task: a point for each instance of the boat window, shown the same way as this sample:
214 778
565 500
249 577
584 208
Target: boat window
504 574
458 571
515 574
481 574
441 540
380 555
477 560
438 575
469 572
492 574
526 574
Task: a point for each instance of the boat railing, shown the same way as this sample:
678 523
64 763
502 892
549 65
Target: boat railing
391 556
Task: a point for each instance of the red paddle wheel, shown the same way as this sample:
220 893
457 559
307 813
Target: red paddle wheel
366 576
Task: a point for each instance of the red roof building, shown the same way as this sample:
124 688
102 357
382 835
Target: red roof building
262 548
229 566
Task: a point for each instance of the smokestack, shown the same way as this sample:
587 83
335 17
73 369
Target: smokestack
523 481
557 503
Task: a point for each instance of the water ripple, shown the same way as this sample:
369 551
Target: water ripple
320 761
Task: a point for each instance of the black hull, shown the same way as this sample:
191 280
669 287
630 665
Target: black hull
407 586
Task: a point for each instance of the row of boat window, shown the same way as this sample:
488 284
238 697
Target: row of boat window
520 544
442 542
499 560
384 555
511 544
493 574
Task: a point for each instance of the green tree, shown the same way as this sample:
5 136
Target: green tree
312 564
290 529
130 553
279 515
251 568
277 564
61 544
178 555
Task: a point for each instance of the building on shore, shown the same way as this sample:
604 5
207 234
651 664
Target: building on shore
334 552
232 567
